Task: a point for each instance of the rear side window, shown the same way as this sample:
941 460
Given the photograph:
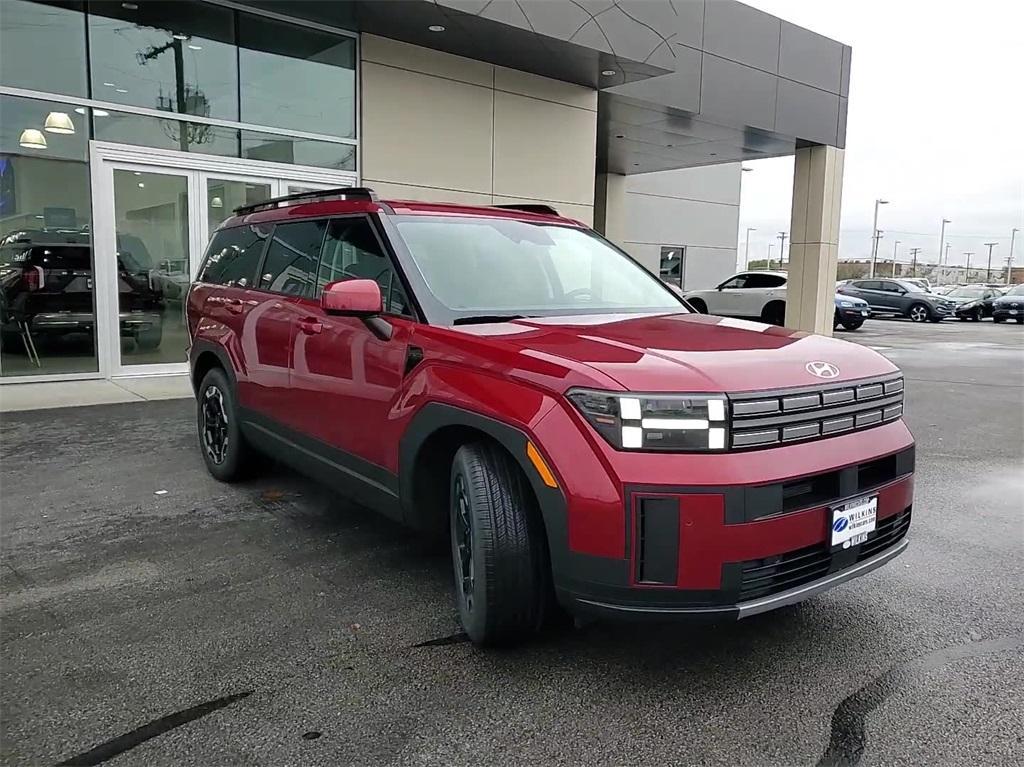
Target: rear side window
867 285
290 265
233 257
765 281
740 281
351 251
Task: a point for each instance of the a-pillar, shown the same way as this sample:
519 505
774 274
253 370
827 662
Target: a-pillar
814 239
610 206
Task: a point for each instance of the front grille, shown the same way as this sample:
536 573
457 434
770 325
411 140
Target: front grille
772 575
764 418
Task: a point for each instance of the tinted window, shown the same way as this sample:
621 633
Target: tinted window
42 47
233 256
290 266
671 269
735 282
867 285
765 281
351 251
892 287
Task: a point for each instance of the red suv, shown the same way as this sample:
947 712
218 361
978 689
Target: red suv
507 377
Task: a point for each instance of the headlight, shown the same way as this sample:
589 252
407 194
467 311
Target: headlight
846 304
656 422
968 305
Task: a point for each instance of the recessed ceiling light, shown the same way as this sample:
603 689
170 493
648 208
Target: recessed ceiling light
436 28
121 90
194 47
100 113
608 72
80 110
141 185
130 6
110 85
619 135
137 172
179 36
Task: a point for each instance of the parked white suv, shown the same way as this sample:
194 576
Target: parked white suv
753 295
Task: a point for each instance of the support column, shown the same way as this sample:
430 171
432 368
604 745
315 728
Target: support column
610 206
814 239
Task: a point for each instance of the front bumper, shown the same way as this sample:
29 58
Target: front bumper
854 314
1008 313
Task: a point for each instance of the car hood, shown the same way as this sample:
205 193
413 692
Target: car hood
682 352
1007 300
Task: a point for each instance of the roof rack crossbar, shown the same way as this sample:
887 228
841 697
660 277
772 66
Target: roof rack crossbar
530 207
336 193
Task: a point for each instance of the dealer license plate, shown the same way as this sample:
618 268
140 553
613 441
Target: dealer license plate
864 313
852 521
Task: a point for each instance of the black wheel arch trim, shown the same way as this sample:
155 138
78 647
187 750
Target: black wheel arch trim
435 416
202 346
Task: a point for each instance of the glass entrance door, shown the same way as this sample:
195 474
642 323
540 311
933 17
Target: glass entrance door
153 215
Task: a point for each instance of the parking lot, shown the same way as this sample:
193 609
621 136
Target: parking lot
153 616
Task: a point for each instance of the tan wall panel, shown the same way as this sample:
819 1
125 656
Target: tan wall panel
382 50
535 86
390 191
425 130
543 150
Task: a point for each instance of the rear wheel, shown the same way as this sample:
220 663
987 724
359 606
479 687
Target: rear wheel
225 451
498 550
918 313
699 305
853 324
997 319
774 313
979 314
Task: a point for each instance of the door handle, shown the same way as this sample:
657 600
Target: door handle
310 326
233 305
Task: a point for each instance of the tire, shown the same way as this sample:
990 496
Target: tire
997 319
918 313
149 339
699 305
979 314
774 313
499 552
853 324
224 449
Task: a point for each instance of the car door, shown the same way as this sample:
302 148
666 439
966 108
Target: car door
870 291
725 298
895 297
758 291
346 379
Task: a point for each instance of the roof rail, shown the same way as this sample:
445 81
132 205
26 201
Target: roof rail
337 193
530 207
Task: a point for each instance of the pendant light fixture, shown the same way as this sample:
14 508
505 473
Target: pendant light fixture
59 122
32 139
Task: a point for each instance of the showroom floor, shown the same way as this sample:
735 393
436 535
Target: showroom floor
153 616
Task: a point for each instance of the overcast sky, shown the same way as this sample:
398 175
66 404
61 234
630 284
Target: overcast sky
936 126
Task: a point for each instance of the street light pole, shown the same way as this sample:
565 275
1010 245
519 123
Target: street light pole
875 233
913 261
988 270
894 246
942 237
770 246
746 252
782 247
967 272
1009 259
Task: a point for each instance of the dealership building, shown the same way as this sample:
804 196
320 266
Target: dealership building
130 130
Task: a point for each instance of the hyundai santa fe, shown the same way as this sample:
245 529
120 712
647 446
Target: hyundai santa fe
507 380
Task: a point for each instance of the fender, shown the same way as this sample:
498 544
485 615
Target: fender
201 346
431 419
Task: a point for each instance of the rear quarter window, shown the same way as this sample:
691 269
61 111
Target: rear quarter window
233 256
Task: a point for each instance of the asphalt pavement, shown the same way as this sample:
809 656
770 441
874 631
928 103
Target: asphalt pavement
153 616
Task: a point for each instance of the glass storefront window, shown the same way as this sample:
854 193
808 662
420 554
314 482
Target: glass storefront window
42 47
172 56
223 196
125 128
298 151
296 78
47 315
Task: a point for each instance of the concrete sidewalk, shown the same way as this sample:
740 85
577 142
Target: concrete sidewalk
45 395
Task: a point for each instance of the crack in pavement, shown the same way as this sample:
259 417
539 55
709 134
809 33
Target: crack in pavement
847 740
130 740
441 641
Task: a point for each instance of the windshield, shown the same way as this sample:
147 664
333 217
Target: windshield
966 293
493 267
910 287
1016 290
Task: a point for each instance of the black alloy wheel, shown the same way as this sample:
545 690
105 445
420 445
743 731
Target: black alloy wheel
225 451
215 425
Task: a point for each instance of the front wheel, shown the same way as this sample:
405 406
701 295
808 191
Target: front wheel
853 324
979 314
698 305
997 320
224 449
774 313
918 313
498 549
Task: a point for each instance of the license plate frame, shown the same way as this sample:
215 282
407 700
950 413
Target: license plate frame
850 522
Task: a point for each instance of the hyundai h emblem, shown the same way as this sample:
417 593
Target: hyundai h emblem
822 369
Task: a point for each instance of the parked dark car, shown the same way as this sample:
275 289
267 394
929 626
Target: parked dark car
850 312
973 302
46 290
1009 306
510 380
900 298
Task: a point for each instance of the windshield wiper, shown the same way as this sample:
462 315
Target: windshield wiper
480 319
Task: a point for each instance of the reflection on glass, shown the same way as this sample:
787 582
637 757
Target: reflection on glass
295 77
177 57
151 218
42 47
47 317
222 197
166 134
298 151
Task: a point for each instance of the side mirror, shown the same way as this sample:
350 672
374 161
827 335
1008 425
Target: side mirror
353 298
